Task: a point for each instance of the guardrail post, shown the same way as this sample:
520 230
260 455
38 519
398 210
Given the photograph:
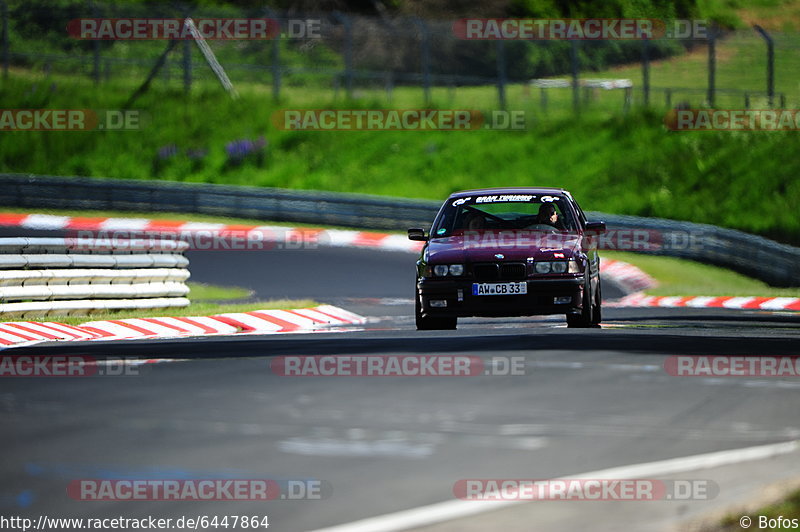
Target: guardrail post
4 14
770 63
501 72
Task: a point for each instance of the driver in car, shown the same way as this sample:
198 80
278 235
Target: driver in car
549 216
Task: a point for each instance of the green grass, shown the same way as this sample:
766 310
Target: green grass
628 165
788 508
680 277
206 292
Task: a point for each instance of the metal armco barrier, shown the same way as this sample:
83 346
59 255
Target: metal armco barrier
758 257
68 276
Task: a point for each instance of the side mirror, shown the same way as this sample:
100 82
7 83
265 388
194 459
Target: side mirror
596 227
417 234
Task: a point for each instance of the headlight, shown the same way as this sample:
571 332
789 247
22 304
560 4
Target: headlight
557 266
440 270
456 269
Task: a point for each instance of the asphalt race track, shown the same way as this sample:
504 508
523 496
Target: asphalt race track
588 400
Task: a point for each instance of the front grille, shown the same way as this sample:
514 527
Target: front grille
485 272
511 271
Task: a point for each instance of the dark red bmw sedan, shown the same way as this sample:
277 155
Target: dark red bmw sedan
508 252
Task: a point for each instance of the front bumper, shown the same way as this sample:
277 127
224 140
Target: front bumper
539 300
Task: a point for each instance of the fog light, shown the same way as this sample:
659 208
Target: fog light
438 303
563 300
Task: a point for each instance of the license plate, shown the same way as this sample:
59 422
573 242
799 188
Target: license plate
499 289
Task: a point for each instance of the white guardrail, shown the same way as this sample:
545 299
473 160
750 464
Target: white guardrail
69 276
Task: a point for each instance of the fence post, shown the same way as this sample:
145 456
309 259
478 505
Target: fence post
501 72
712 64
747 100
646 70
276 60
425 58
576 96
668 96
96 50
770 63
5 38
543 93
626 104
187 66
389 85
348 52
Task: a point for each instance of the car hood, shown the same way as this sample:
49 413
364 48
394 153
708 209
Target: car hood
513 245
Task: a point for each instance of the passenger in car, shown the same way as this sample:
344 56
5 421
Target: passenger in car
474 222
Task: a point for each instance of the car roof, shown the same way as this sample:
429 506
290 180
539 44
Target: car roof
509 190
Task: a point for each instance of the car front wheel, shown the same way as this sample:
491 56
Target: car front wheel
598 306
587 316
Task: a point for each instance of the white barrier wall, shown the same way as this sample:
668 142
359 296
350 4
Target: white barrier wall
67 276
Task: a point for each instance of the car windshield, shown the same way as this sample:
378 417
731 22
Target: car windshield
504 212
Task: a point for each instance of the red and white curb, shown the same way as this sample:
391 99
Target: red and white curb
255 233
629 276
741 303
322 317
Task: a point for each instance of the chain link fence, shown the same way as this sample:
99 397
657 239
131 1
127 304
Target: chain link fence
360 57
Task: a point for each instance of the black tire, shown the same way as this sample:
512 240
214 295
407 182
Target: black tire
426 323
586 317
597 315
